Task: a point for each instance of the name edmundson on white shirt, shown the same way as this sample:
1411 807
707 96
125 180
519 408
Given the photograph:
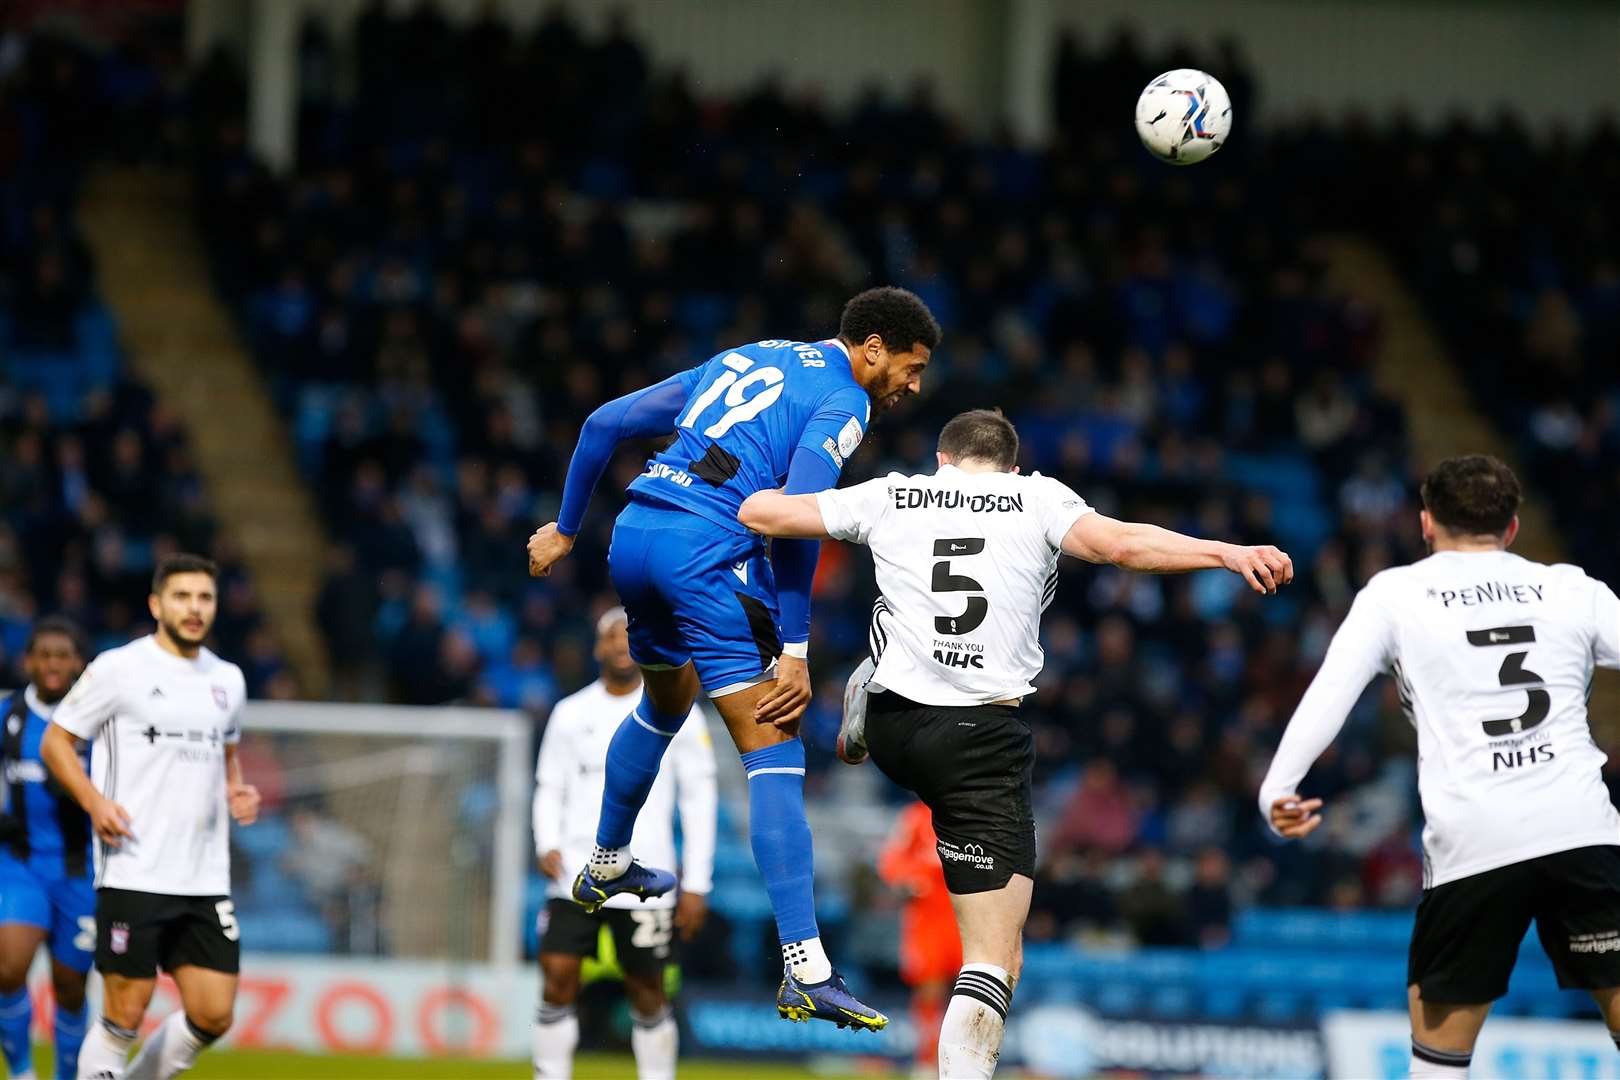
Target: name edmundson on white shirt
970 559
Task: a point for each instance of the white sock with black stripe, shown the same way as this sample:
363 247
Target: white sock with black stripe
970 1037
655 1040
171 1049
105 1054
556 1034
1438 1064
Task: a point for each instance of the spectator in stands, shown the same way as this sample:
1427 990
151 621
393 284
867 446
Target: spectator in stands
332 862
1152 910
1172 358
96 482
1099 816
1209 901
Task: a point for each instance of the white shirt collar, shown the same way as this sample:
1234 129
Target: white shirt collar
190 664
35 705
835 343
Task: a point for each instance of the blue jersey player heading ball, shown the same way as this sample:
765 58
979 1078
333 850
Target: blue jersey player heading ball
708 609
47 894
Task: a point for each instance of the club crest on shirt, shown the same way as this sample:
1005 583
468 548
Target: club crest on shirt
219 697
850 437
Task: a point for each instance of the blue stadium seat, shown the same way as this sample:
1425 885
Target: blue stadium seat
268 838
287 931
1307 928
97 334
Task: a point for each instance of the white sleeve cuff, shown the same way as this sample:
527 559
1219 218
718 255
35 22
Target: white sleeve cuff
799 650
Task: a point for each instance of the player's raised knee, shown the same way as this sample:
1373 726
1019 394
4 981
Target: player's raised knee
211 1022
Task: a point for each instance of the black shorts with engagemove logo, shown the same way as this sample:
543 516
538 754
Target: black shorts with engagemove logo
1468 931
974 766
138 932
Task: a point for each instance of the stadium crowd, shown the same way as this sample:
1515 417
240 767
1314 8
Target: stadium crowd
446 286
96 479
1528 291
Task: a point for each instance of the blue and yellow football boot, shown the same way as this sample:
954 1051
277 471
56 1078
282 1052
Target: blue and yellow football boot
639 881
830 1000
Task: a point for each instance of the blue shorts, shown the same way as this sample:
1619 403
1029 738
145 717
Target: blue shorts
696 592
65 907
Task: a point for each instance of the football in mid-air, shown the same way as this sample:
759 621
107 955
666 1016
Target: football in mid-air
1183 116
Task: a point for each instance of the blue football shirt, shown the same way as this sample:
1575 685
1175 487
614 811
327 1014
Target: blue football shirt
750 409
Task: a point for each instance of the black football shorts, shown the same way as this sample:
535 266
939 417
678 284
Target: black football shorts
1468 931
974 766
139 932
643 938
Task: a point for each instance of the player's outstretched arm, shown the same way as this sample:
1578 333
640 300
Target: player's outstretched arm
647 412
1360 649
59 750
771 513
793 558
1148 549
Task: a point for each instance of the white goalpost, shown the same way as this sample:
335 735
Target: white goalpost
395 830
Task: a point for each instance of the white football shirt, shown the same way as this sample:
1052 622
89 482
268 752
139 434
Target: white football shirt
568 794
966 563
158 726
1493 656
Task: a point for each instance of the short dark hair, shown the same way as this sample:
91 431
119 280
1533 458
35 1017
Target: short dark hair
183 563
896 315
1473 495
62 626
982 434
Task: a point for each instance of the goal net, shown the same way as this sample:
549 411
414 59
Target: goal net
386 831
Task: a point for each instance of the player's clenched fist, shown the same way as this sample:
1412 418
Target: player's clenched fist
110 821
1264 567
1294 817
546 548
244 803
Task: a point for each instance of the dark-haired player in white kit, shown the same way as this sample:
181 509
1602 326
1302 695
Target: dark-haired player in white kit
567 796
967 561
163 715
1493 656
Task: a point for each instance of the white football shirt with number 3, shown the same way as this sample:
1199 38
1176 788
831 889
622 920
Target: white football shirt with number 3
1492 656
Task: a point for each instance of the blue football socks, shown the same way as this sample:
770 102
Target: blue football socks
69 1029
780 836
632 766
16 1017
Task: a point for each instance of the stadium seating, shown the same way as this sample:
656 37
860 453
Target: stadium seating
439 311
96 480
1283 965
439 304
1527 292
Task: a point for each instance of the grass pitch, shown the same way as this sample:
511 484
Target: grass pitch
273 1065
